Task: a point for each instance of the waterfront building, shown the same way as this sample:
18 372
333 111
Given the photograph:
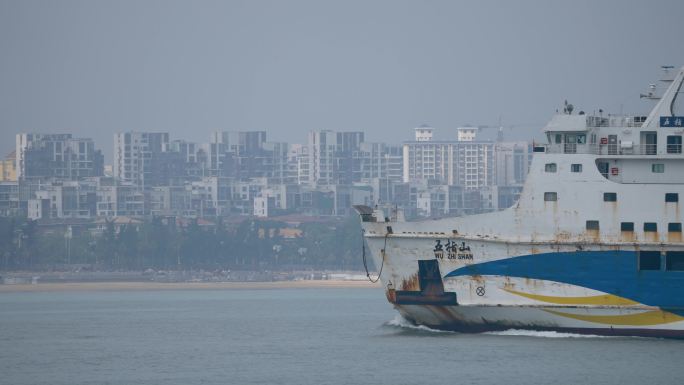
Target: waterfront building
465 162
467 134
10 203
376 160
276 164
138 157
107 197
298 163
8 168
247 154
45 156
423 133
64 199
183 160
242 143
264 206
212 196
330 156
474 165
218 161
511 163
130 201
170 201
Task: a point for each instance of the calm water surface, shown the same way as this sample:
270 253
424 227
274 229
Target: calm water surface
292 336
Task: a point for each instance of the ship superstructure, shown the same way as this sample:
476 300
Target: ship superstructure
594 244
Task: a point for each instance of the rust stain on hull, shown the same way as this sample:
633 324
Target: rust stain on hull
391 295
593 235
411 284
628 236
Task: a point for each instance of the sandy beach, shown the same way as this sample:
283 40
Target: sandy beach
118 286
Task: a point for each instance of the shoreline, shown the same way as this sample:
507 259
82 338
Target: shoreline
139 286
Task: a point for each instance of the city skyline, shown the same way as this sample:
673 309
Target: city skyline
485 133
57 176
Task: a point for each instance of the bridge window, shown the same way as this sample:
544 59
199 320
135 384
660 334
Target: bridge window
550 167
592 225
674 261
674 144
650 227
658 168
550 196
649 260
610 197
627 226
570 144
604 168
674 227
671 197
576 167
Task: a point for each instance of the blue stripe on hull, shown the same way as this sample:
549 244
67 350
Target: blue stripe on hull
613 272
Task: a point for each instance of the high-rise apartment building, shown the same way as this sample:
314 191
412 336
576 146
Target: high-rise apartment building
512 160
331 156
8 168
138 157
474 166
245 155
298 161
466 163
45 156
377 160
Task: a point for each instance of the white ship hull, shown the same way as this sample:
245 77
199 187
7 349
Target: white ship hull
587 252
550 289
493 318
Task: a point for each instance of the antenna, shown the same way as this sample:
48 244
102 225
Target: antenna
568 108
500 134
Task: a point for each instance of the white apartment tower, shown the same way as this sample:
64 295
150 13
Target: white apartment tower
136 156
423 133
464 162
467 134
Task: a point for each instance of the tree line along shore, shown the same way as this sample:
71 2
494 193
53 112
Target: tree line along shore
171 243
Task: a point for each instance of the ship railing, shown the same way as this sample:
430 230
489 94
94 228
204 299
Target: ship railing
607 149
674 148
616 121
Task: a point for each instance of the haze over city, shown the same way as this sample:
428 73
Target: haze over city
341 192
384 67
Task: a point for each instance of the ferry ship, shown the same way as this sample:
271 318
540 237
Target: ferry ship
593 245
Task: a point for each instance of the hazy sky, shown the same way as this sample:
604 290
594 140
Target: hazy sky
94 67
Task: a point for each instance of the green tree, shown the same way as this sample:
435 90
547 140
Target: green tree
8 242
106 245
28 243
128 246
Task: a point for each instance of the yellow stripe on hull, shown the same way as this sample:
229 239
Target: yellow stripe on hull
604 299
651 317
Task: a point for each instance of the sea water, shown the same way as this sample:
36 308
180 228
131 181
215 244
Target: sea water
293 336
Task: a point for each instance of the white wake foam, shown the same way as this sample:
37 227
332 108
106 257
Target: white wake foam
542 334
403 323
